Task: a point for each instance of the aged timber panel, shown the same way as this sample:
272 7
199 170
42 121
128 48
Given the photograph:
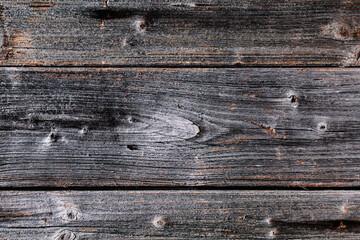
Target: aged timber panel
180 215
181 33
179 127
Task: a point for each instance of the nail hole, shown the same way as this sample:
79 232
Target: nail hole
293 99
131 119
272 233
322 127
132 147
242 218
70 215
159 222
140 25
32 120
84 130
53 137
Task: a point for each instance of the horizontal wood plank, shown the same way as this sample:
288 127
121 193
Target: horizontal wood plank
179 127
181 33
180 215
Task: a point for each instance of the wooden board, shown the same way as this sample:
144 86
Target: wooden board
180 33
180 215
91 127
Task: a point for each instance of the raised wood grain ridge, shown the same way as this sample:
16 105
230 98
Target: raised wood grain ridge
179 127
181 33
180 215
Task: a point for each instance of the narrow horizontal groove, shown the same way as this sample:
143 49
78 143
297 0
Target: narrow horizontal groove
178 66
185 188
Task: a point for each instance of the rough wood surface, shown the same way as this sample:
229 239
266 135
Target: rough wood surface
181 33
179 127
180 215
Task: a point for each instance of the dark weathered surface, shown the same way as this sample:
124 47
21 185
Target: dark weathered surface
180 215
163 32
176 127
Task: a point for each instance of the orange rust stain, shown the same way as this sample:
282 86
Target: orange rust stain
277 154
236 140
283 136
301 162
331 69
101 25
36 4
303 70
55 75
242 218
249 95
17 39
342 225
268 129
224 149
238 63
14 75
89 230
118 82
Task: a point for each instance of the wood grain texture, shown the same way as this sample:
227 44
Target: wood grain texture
179 127
181 33
180 215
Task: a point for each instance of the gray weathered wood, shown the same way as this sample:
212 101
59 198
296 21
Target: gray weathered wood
179 127
180 215
181 33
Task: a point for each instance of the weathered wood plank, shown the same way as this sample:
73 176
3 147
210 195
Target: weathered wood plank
179 127
180 215
181 33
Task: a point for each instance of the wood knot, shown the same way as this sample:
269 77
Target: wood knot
65 235
159 222
357 54
71 214
342 32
